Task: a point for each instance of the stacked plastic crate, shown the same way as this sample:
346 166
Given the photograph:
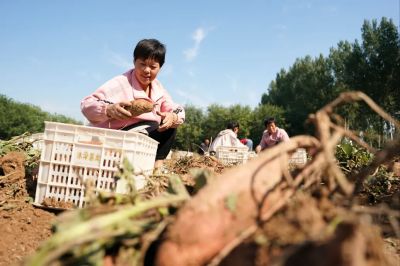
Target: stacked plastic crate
299 157
73 154
232 155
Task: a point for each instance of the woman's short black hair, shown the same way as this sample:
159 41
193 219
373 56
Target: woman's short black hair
150 49
232 125
269 120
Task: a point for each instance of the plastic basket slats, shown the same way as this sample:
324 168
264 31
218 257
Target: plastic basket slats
299 157
73 155
232 155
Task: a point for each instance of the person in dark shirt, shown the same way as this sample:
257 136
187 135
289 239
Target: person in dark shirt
204 146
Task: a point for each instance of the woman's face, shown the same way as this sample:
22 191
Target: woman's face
271 128
146 71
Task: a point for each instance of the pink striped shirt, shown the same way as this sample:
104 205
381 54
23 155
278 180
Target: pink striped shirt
125 87
269 140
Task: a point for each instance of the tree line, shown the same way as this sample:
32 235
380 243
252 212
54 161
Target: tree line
17 118
371 65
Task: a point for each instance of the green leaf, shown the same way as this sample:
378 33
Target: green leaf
347 149
230 202
200 177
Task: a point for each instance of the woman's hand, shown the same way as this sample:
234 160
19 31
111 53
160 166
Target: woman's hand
168 120
118 111
258 149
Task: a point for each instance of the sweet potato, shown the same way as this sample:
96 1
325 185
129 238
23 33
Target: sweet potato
140 106
226 208
215 216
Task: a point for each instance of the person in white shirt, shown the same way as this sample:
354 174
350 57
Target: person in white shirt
227 137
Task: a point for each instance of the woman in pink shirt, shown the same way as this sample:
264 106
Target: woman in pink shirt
272 135
107 106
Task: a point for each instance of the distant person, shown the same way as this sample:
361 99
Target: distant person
227 137
248 143
204 146
112 105
272 135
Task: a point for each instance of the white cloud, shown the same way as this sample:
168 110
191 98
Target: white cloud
119 61
191 53
198 36
191 97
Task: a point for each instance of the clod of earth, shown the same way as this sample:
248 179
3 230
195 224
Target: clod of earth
13 162
54 203
13 168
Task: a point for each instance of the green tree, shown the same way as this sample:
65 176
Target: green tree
303 89
216 119
242 115
219 116
338 59
190 133
18 118
371 66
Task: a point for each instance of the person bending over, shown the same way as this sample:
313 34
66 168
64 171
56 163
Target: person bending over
203 148
227 137
272 135
114 104
248 143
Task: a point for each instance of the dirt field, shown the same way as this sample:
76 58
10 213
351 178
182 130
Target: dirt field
23 229
23 226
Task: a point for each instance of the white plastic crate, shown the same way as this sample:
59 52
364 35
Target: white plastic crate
232 155
73 154
299 157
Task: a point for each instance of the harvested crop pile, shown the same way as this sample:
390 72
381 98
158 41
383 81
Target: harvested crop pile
140 106
183 164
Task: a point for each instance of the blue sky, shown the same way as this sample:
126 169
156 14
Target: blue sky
55 52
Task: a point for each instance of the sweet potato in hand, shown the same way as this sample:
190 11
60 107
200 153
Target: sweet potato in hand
140 106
